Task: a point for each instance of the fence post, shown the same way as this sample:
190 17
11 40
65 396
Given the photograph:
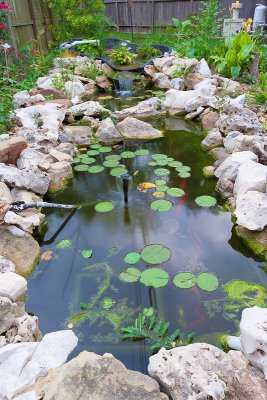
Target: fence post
34 27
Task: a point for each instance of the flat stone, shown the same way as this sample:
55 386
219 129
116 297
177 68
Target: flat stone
59 156
73 88
107 132
250 176
32 159
12 286
89 108
10 149
251 210
23 251
203 68
229 168
146 108
236 118
132 128
79 135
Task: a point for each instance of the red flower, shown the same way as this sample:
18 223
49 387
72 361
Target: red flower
19 54
33 51
5 7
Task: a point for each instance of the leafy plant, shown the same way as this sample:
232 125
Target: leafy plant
146 52
156 332
92 49
121 55
91 72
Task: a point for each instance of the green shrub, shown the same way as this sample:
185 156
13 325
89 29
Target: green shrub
91 72
147 52
121 55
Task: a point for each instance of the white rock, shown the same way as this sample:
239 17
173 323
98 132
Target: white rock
12 285
15 231
229 168
59 156
251 210
146 108
250 176
231 140
176 100
26 396
132 128
89 108
21 98
203 68
6 265
162 62
5 194
177 84
45 82
32 159
213 139
162 81
207 87
73 89
37 136
25 223
108 133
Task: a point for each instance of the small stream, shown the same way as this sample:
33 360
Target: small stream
200 240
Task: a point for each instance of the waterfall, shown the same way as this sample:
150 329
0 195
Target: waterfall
123 85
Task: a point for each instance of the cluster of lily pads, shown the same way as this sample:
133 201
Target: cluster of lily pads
157 277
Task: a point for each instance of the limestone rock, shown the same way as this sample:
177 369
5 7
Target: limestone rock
28 197
5 194
255 143
176 100
192 79
103 82
231 140
57 94
79 135
239 119
251 210
73 88
12 285
203 68
45 82
169 71
209 120
7 314
6 265
36 181
32 159
228 85
27 223
195 114
229 168
146 108
37 136
23 251
162 81
150 70
67 148
10 150
250 176
220 155
59 173
25 99
177 84
213 139
60 156
132 128
162 62
93 377
225 187
107 132
89 108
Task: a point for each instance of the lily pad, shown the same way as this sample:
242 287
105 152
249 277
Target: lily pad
104 206
142 152
159 157
95 169
81 167
82 156
95 146
110 163
155 254
175 192
104 149
148 312
92 152
113 157
162 163
152 163
154 277
130 275
107 303
76 160
64 244
185 280
207 281
184 175
183 168
88 160
206 201
132 258
161 205
158 194
160 182
87 253
127 154
162 171
175 164
162 188
118 171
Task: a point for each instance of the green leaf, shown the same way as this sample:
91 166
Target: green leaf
184 175
132 258
183 168
235 71
127 154
148 312
76 160
110 163
208 282
104 206
88 160
175 192
107 303
245 51
162 188
155 254
175 164
162 163
104 149
206 201
95 146
118 171
161 205
95 169
160 182
92 152
142 152
162 171
184 280
64 244
159 157
80 167
82 156
87 253
154 277
113 157
152 163
130 275
83 306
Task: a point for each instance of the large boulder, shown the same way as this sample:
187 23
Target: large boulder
255 143
146 108
94 377
32 159
107 132
132 128
25 99
79 135
201 371
250 176
7 314
37 136
229 168
236 118
10 149
22 250
251 210
73 88
27 224
203 68
23 363
89 108
176 100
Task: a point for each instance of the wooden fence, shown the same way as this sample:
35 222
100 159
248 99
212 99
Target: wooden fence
149 14
30 20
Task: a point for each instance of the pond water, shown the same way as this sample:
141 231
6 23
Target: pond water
200 240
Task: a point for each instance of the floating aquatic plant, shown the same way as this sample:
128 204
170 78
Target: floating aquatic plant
132 257
130 275
87 253
184 280
118 171
64 244
81 167
154 277
96 169
244 294
206 201
175 192
162 171
104 206
142 152
155 254
161 205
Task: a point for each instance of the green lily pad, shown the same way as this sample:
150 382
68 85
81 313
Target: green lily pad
92 152
152 163
88 160
95 169
95 146
64 244
175 164
175 192
107 303
87 253
161 205
132 258
148 312
158 194
162 163
110 163
162 171
113 157
170 159
154 277
185 280
162 188
142 152
130 275
184 175
127 154
104 206
76 160
155 254
82 156
207 281
160 182
159 157
81 167
118 171
183 168
104 149
206 201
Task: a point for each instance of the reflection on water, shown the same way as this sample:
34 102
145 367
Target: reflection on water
200 240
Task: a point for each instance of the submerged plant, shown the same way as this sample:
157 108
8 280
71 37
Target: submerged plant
242 294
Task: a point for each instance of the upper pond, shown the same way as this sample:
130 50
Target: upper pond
200 240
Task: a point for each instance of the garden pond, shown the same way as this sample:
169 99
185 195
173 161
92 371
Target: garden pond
79 284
